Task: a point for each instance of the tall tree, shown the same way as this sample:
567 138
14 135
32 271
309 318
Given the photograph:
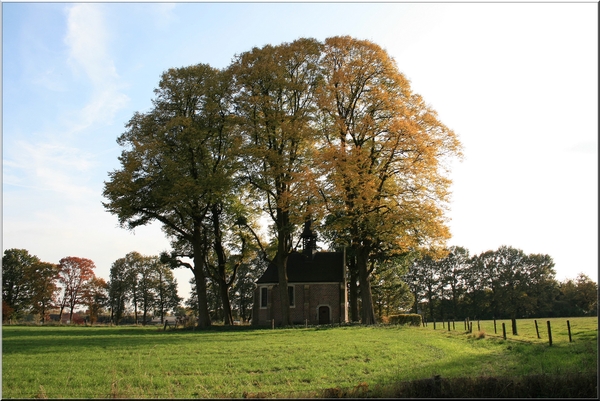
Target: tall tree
452 270
383 153
512 281
428 274
412 278
147 285
125 286
243 289
515 284
275 99
483 277
43 287
118 289
95 297
223 267
587 294
166 290
15 280
175 165
578 297
541 287
390 293
74 274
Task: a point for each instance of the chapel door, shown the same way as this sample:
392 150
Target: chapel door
324 315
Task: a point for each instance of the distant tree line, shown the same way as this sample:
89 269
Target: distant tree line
30 286
139 283
505 283
143 285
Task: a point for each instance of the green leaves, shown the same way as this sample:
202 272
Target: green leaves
296 128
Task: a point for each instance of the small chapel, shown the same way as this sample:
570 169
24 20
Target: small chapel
317 287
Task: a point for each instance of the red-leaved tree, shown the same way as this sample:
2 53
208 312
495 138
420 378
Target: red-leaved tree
74 274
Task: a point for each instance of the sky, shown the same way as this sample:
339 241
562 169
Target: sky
517 82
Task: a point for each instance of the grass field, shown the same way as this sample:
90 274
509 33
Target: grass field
146 362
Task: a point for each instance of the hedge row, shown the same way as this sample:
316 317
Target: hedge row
411 319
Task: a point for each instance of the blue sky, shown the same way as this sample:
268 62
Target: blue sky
517 82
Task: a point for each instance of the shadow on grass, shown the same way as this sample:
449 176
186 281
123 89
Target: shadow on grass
43 339
576 385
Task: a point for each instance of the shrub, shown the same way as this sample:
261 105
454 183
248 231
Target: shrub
412 319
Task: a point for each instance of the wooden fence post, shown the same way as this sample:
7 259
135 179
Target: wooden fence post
569 328
504 330
470 327
549 332
453 326
495 331
514 326
448 324
537 331
478 325
434 323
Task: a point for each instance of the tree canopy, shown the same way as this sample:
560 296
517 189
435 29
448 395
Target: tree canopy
324 130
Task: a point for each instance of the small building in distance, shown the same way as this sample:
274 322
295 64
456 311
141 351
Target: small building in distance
317 287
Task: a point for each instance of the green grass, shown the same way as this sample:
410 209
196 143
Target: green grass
138 362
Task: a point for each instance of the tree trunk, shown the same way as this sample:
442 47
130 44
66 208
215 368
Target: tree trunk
203 314
443 315
283 248
431 304
200 249
281 261
221 260
71 308
353 289
161 296
135 305
416 303
227 314
367 312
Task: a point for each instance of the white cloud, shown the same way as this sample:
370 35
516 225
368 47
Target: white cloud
49 167
88 41
52 158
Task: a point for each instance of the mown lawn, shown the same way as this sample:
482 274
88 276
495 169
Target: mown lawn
146 362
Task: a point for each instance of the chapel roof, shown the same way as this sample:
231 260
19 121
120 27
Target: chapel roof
321 267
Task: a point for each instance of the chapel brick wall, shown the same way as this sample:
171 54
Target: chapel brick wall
307 297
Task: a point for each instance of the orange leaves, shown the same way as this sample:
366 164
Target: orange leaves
334 121
380 148
76 269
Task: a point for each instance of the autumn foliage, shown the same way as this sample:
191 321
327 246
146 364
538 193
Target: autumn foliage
74 274
324 130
